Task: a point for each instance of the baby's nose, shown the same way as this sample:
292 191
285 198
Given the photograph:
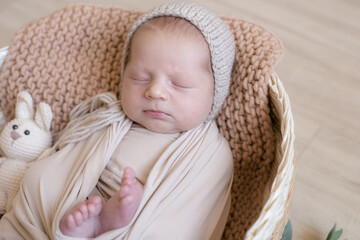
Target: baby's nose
157 90
14 135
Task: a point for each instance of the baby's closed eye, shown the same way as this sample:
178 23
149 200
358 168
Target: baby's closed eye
140 79
180 84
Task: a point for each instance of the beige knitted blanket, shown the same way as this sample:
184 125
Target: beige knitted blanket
75 53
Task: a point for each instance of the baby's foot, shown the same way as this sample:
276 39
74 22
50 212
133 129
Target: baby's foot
81 220
121 208
91 218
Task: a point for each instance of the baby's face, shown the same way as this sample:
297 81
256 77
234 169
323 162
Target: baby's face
167 85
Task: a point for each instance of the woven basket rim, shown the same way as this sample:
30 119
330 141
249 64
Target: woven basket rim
276 210
3 52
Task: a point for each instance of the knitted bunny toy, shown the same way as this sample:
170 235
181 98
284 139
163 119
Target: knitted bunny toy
22 140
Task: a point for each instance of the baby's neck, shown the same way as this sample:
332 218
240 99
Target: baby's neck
138 126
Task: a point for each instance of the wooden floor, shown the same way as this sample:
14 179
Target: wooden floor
321 73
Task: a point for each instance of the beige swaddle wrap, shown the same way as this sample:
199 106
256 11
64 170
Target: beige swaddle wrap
188 188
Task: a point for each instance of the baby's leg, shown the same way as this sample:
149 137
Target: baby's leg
90 218
121 208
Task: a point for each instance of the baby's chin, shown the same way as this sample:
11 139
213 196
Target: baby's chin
168 124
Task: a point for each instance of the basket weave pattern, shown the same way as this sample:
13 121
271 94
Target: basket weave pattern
75 53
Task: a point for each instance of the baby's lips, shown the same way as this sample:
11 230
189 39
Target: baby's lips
156 114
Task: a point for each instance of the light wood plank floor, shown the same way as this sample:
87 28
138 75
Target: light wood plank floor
321 73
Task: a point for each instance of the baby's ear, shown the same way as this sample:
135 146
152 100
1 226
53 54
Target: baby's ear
43 116
24 106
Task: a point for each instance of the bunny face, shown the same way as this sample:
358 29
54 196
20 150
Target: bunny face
28 135
23 139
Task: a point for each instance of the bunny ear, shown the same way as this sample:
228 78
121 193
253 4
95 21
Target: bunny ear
2 120
43 116
24 106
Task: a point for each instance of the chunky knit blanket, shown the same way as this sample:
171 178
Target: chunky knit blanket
75 53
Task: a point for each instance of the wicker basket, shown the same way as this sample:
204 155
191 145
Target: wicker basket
276 210
270 218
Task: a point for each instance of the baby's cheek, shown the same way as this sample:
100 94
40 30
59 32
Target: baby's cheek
205 107
194 117
126 109
124 105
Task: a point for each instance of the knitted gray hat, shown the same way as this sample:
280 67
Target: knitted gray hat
216 33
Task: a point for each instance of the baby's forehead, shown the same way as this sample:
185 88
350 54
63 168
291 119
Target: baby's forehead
173 29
